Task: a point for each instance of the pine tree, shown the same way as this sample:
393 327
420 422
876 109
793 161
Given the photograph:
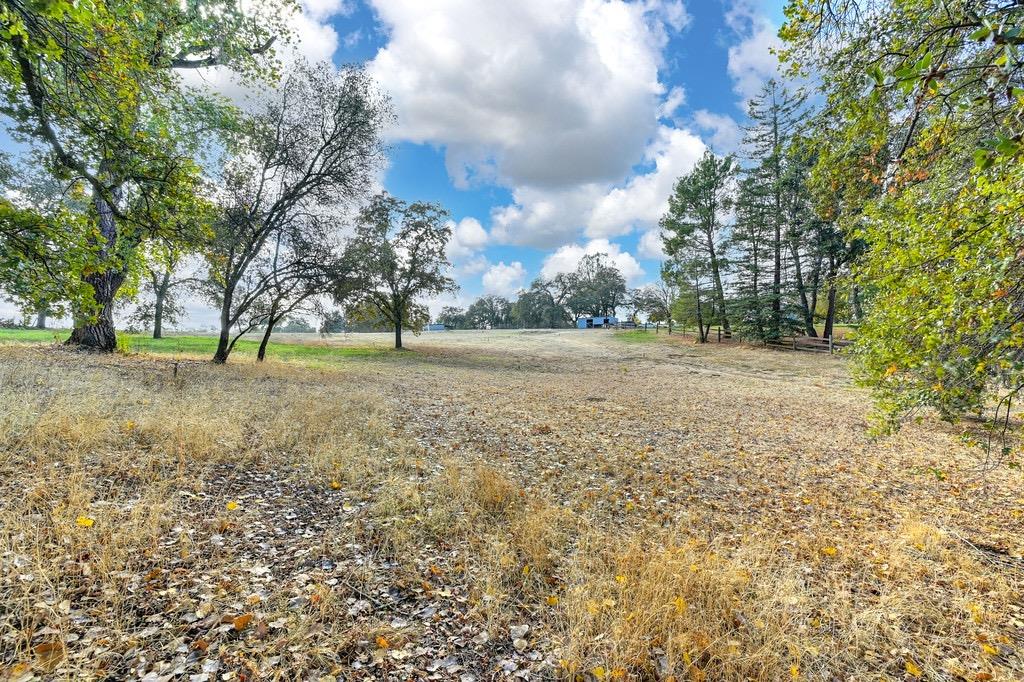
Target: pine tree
774 115
694 223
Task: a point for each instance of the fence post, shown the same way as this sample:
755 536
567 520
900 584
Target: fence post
719 335
794 343
830 344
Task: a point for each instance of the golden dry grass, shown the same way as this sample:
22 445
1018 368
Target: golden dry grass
714 514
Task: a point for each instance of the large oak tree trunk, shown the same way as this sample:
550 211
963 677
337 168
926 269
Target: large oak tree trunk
398 335
220 356
271 321
158 315
98 332
41 319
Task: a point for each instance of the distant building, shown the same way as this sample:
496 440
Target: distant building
436 327
596 322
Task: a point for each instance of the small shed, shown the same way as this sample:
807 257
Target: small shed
596 322
435 327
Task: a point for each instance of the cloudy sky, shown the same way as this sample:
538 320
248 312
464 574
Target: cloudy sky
550 129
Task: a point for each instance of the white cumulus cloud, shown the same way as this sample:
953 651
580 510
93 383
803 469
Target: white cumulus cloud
468 238
725 133
751 61
643 199
566 258
530 93
504 280
651 245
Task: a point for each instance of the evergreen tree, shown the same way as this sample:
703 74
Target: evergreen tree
693 222
774 114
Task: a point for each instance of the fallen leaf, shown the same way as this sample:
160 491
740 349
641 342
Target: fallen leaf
84 521
232 505
49 654
241 622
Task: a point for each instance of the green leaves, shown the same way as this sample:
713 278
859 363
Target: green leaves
926 173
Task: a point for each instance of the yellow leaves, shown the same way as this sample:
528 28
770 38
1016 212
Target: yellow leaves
891 369
794 671
599 672
989 649
551 600
912 669
620 579
526 570
594 607
241 622
829 551
977 613
680 605
382 642
84 521
231 506
335 485
128 426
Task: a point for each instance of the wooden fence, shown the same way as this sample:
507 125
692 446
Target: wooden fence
813 344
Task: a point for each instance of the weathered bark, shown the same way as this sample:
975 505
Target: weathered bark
719 289
701 334
272 320
220 356
160 287
158 316
805 307
858 311
97 332
830 315
261 354
41 319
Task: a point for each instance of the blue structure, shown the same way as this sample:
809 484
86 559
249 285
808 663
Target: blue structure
596 322
435 327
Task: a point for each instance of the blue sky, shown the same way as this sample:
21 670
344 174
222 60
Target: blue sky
548 128
688 71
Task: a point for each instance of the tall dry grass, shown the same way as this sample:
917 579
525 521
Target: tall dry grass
105 463
102 460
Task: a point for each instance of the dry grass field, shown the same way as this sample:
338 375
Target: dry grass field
500 505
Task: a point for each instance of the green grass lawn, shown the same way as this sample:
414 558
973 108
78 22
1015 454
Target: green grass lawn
204 346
